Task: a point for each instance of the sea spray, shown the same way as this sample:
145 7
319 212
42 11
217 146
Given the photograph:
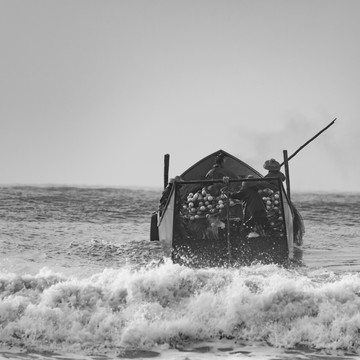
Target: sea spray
173 305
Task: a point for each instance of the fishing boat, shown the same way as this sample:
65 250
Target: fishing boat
201 223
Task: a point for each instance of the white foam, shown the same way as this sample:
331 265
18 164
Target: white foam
171 305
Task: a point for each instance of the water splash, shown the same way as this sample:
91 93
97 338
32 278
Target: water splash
171 305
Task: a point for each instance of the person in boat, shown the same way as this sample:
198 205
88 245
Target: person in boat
218 170
254 211
165 194
273 168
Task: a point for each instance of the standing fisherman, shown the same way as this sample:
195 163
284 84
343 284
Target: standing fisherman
273 168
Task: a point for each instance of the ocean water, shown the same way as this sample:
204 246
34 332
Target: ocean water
79 279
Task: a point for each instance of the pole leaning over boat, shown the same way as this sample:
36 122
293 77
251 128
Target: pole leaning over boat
309 141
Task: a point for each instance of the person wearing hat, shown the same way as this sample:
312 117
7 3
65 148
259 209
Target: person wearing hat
273 168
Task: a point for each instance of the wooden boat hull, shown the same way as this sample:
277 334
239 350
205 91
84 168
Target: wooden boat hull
219 238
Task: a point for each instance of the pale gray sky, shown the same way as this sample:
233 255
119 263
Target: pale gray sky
96 92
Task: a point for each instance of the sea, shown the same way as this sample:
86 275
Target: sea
80 279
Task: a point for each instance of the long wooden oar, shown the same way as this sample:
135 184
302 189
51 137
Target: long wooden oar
314 137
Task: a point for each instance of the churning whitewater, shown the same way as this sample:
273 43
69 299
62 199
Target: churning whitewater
79 275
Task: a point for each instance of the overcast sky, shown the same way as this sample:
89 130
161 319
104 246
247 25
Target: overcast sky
96 92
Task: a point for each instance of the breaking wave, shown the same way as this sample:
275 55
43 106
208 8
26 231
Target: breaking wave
170 304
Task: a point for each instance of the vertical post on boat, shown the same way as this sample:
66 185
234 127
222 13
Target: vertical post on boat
286 163
228 225
166 169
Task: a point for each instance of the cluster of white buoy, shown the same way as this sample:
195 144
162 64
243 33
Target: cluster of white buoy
202 204
272 202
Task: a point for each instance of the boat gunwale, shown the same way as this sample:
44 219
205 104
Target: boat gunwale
197 164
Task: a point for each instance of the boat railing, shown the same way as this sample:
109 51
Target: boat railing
182 185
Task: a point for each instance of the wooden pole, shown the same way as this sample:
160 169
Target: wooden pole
166 169
314 137
286 162
228 226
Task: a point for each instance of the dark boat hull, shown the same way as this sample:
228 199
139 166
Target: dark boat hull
240 252
202 235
